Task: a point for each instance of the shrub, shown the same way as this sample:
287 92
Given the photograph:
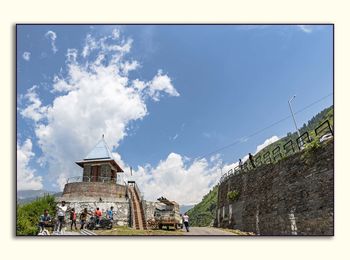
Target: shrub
232 195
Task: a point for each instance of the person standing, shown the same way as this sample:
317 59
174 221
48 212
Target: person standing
186 222
61 214
98 215
240 164
251 159
110 214
83 217
73 219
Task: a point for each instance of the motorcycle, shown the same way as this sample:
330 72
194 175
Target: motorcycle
102 224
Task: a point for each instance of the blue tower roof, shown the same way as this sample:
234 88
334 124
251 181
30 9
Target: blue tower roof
100 151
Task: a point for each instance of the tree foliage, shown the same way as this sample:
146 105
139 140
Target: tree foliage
204 212
28 215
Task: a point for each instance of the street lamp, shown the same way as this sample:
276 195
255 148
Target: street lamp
291 110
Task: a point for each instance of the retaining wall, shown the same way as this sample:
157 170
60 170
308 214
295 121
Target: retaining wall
294 196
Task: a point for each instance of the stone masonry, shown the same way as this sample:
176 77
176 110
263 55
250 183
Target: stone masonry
94 190
80 195
121 211
294 196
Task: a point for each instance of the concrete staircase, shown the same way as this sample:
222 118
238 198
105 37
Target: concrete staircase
139 216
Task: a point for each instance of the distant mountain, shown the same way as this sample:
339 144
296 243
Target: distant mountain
25 196
185 208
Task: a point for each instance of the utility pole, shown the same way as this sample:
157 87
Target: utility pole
291 110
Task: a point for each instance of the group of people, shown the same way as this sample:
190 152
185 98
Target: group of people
62 209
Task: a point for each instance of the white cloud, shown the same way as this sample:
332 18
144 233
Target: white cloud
26 179
72 55
51 35
115 34
186 184
305 28
161 83
90 45
34 110
174 137
95 97
26 55
266 143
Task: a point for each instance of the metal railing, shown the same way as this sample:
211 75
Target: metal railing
91 179
280 152
276 153
324 128
289 147
302 140
267 158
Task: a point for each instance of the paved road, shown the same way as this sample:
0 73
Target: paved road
206 231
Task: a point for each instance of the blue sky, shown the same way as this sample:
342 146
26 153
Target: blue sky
202 87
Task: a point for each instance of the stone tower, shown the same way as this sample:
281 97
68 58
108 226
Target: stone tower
99 185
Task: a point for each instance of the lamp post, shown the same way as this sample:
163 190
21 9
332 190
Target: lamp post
291 110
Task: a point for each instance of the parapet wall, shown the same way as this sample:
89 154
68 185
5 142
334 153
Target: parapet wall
93 190
295 196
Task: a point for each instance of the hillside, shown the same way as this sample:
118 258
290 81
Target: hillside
315 121
203 214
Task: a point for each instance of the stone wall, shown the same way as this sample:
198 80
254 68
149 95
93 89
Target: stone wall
294 196
87 170
106 169
121 211
87 190
82 195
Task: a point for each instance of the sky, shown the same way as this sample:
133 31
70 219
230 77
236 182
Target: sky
168 98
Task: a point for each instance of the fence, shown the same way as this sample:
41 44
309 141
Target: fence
91 179
278 153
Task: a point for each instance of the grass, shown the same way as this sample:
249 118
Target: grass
126 231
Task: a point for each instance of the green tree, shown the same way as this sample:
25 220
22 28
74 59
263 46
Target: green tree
28 214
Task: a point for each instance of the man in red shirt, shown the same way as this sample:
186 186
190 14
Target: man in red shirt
98 215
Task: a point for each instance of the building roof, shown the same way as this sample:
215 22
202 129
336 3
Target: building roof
100 153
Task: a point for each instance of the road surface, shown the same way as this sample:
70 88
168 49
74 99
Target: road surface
206 231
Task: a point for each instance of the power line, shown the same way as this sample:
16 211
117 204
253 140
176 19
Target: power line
239 140
265 128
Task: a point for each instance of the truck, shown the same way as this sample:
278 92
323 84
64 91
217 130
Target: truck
167 215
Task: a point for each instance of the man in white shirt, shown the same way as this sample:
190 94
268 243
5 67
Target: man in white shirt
186 222
61 213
